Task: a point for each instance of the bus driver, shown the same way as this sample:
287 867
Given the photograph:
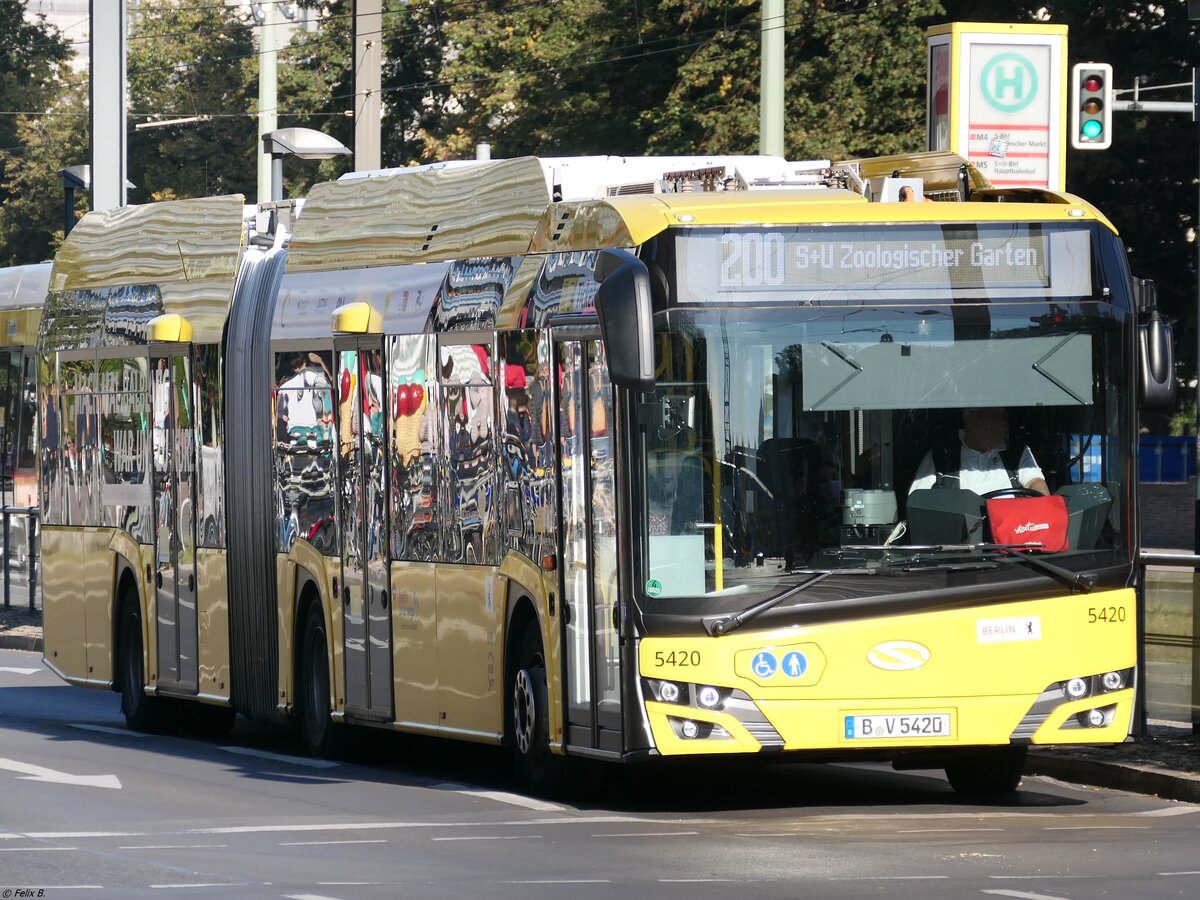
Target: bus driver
984 463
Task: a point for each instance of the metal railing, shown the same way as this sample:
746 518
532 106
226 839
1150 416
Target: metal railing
21 547
1170 655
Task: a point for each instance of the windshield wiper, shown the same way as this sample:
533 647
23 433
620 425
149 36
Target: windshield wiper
1072 579
1085 583
727 624
1013 551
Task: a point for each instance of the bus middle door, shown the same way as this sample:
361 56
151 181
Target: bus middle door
173 442
589 546
362 502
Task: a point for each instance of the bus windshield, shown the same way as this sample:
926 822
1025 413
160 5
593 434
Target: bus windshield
781 442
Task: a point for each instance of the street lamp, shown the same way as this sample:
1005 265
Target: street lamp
77 178
305 143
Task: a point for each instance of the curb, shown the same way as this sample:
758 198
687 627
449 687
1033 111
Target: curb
1180 786
21 642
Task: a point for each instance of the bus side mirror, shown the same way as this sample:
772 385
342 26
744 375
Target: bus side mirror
1156 351
623 304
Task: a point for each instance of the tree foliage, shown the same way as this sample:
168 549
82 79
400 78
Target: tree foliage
187 59
854 78
31 215
33 71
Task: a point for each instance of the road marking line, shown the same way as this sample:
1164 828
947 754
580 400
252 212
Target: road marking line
1023 895
645 834
703 881
316 843
1097 828
564 881
31 772
499 797
60 835
311 896
368 826
174 847
283 758
34 849
892 878
108 729
16 670
343 826
492 837
1040 877
943 830
172 887
1169 874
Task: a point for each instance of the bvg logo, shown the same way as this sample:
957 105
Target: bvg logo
1009 82
898 656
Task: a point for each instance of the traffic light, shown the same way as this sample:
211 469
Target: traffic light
1091 106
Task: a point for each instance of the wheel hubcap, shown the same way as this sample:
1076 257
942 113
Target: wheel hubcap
524 710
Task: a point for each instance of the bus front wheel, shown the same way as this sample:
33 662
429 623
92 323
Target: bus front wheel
142 712
322 736
988 772
529 726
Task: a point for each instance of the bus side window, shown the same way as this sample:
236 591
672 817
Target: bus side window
470 457
528 429
304 442
412 380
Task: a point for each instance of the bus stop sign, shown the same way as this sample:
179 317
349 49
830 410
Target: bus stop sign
996 96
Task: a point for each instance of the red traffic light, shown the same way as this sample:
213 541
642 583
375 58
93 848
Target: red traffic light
1093 83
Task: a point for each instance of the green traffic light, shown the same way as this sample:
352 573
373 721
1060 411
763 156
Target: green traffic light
1092 129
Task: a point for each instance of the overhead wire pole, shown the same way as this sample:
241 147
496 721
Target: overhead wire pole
107 104
268 98
770 110
368 83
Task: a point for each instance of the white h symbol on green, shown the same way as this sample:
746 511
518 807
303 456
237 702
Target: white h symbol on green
1012 80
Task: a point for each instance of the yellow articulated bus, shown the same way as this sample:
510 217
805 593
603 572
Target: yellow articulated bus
607 457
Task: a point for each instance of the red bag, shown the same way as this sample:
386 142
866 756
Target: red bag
1029 520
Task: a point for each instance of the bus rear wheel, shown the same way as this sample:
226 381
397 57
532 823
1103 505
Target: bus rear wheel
322 736
988 772
535 766
142 712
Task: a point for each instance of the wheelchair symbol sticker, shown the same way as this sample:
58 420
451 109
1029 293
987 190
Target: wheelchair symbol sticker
795 664
764 664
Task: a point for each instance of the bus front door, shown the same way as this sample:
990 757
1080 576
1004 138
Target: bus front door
589 549
362 501
173 442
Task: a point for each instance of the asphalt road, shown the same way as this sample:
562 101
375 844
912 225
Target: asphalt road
88 809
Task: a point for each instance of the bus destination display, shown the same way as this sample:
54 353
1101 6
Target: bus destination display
807 264
778 259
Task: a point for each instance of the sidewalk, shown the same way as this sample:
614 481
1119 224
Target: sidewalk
20 629
1164 762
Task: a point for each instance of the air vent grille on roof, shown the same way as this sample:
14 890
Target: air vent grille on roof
642 187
